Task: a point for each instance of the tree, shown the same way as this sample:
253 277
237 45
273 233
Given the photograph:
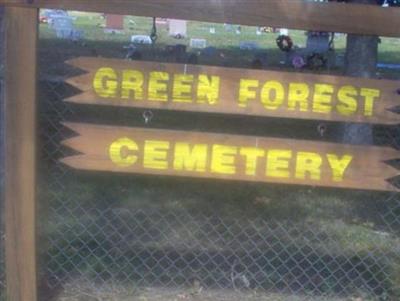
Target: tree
361 60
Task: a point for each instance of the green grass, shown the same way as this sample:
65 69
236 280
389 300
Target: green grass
227 41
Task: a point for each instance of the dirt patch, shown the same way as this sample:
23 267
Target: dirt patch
85 291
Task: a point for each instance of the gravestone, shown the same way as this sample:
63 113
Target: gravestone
198 43
248 45
114 24
228 27
317 42
177 28
141 39
161 21
239 29
64 27
284 31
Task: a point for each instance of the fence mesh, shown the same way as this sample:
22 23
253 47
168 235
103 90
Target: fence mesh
115 237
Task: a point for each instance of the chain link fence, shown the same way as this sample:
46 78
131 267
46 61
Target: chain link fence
119 237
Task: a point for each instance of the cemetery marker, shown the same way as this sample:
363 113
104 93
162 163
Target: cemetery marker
235 91
230 157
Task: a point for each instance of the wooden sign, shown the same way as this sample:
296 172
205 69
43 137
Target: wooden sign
235 91
244 158
294 14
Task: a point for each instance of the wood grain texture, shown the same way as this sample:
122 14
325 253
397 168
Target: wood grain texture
20 97
165 152
229 91
294 14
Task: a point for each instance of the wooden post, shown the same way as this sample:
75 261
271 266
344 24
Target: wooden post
20 104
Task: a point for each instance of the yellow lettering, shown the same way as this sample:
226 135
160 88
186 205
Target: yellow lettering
275 88
208 89
347 101
322 98
119 152
338 166
158 86
308 163
155 154
132 81
278 163
182 91
194 159
252 154
223 159
105 82
245 94
370 95
298 96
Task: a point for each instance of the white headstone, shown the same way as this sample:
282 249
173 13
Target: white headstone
62 22
284 31
228 27
212 30
198 43
64 27
141 39
177 28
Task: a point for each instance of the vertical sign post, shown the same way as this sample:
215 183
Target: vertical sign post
20 103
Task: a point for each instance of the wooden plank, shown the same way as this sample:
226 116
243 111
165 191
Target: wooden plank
295 14
229 157
20 97
235 91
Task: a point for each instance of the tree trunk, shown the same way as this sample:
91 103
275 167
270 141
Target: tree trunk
361 59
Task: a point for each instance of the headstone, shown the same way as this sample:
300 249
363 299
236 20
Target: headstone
177 28
284 31
51 14
239 30
64 27
228 27
141 39
317 42
388 66
246 45
62 22
114 24
161 21
212 30
198 43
